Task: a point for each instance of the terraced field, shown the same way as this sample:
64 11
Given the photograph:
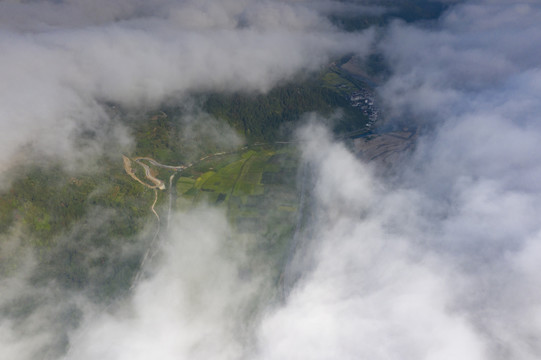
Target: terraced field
256 187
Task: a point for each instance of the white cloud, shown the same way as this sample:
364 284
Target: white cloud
438 262
56 75
194 306
373 293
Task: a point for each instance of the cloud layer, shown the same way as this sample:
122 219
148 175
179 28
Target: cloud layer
62 61
441 260
195 306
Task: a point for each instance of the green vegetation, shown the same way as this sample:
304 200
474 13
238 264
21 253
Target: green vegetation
256 187
79 223
157 136
48 201
407 10
270 117
334 81
240 176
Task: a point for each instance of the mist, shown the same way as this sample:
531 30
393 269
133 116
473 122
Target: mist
194 305
437 258
62 62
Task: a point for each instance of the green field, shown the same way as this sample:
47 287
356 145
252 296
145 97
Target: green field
78 224
334 81
253 186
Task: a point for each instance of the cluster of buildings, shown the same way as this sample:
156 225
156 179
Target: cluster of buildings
364 101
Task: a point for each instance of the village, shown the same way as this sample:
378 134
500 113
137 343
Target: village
364 100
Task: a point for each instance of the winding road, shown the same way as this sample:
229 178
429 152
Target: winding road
157 184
